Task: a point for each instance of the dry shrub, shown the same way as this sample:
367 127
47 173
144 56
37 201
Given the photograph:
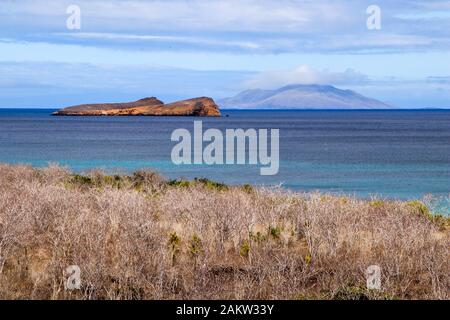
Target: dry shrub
141 237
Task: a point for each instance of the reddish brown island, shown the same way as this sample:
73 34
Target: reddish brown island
197 107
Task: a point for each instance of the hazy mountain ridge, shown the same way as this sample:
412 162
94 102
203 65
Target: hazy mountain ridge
302 97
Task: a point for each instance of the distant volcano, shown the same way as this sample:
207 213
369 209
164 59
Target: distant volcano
302 97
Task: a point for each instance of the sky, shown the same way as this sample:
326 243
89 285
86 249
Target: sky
123 50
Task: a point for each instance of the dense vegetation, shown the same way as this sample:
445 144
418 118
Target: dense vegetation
143 237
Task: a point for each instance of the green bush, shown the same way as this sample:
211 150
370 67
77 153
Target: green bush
420 208
376 203
195 245
179 183
275 232
247 188
245 249
211 184
78 179
174 245
441 221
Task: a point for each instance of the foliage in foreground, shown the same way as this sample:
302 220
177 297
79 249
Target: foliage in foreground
142 237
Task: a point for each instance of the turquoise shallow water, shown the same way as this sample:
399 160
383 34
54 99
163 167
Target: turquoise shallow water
395 154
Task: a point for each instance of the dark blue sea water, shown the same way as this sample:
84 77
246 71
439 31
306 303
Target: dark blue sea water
396 154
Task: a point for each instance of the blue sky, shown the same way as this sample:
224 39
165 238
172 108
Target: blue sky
176 49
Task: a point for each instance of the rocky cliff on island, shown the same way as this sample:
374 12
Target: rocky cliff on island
199 107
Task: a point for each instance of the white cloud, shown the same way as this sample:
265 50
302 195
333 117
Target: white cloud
213 15
238 25
383 40
170 39
304 75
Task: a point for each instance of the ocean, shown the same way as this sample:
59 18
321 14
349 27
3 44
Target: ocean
391 154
